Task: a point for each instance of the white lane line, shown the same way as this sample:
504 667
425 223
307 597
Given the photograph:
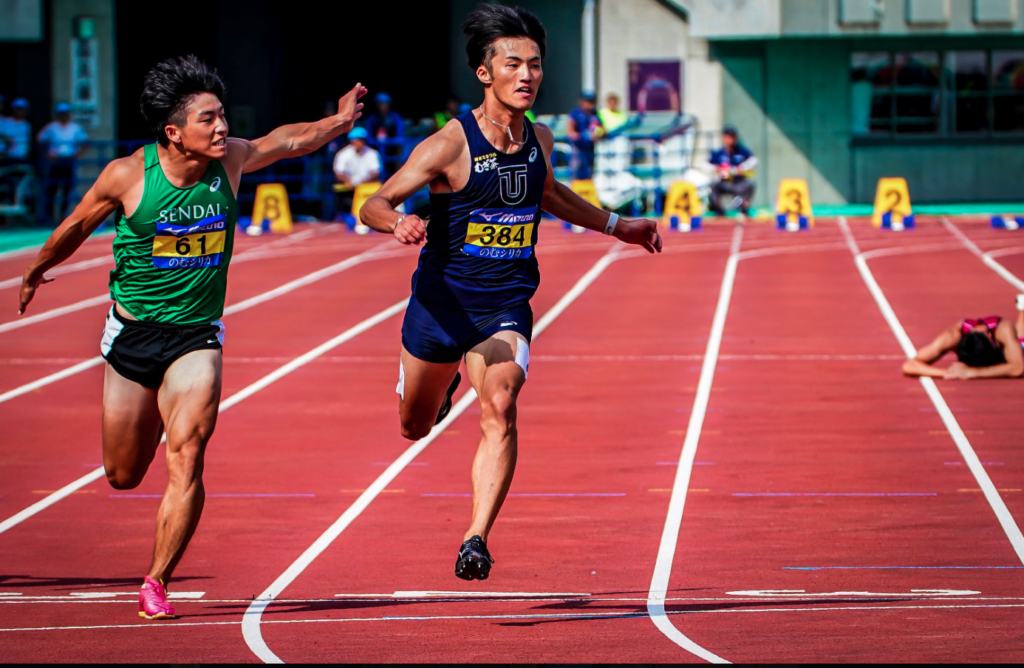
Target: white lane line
987 258
107 259
87 303
254 614
963 445
52 378
1000 252
63 269
14 252
670 535
903 250
25 321
551 615
224 405
375 253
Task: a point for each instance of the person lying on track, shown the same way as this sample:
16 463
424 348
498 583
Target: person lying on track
985 347
175 223
489 178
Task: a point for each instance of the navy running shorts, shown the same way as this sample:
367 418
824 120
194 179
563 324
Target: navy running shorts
442 335
143 351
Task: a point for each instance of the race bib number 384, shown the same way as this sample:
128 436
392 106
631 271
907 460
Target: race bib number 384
501 234
190 246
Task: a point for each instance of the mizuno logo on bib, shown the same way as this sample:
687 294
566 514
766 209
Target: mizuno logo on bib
501 234
190 246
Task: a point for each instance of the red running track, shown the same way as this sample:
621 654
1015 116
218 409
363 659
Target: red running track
806 399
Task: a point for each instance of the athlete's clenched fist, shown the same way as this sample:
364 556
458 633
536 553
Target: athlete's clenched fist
411 230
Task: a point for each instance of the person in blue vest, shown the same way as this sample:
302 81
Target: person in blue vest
584 130
734 165
489 178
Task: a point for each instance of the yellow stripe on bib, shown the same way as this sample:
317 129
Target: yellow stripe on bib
193 245
499 236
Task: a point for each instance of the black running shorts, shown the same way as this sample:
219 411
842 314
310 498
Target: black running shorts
143 351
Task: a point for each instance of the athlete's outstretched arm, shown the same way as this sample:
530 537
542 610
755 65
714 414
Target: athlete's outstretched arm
437 157
103 198
561 202
291 141
921 364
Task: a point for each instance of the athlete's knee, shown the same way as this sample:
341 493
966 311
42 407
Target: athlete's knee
414 429
121 478
498 412
185 455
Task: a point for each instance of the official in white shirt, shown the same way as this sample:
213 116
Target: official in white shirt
354 165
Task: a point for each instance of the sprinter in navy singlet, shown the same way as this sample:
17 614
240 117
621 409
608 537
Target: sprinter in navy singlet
489 180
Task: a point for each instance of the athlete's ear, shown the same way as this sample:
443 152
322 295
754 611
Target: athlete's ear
484 75
173 133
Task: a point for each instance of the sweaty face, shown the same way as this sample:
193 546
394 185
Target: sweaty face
515 73
205 131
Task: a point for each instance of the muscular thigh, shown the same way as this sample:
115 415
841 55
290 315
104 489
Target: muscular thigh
189 397
131 424
497 364
422 387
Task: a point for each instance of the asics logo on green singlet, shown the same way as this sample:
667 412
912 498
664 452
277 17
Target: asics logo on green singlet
215 184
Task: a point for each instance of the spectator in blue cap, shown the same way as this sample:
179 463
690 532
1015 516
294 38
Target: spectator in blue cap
383 126
354 165
62 142
584 129
17 132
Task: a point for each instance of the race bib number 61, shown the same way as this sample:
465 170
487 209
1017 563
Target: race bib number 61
190 246
501 234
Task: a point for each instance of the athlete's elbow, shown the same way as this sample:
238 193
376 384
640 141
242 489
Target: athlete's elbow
1016 371
909 368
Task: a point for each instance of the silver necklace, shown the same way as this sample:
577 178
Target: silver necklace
507 129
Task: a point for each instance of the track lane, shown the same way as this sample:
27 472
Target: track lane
39 431
786 436
926 301
583 433
345 428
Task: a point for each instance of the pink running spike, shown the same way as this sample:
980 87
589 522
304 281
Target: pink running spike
153 601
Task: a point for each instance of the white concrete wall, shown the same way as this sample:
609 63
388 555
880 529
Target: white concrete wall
647 30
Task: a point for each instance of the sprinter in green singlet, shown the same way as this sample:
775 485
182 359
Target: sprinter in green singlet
175 213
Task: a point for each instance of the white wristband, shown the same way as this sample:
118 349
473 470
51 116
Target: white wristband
613 220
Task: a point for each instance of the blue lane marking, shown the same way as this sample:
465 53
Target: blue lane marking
899 568
545 494
677 463
837 494
222 496
983 463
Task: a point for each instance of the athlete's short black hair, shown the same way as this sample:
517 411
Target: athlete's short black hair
977 350
171 86
489 23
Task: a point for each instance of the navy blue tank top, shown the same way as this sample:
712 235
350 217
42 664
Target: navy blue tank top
479 254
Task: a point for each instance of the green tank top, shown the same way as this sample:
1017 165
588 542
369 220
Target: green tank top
172 253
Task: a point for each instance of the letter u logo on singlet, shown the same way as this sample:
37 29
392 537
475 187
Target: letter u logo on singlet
512 183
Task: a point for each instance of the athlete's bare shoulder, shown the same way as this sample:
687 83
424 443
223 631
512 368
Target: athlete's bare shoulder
121 176
546 138
445 145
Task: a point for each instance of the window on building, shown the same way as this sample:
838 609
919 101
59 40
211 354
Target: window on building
931 93
1008 91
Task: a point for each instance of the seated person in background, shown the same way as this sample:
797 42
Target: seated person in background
354 165
383 125
734 164
986 347
450 111
611 118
